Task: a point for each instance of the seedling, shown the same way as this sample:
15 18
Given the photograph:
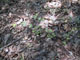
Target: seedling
24 23
14 25
64 42
35 16
30 26
22 58
51 35
49 30
37 30
40 19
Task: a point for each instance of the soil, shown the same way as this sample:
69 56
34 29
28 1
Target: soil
34 30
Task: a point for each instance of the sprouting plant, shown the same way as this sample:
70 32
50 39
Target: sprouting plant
40 19
51 35
48 30
30 26
77 21
21 58
67 36
64 42
37 30
37 27
24 23
35 16
73 29
14 25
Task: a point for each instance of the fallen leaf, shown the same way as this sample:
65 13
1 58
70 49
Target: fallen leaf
18 22
55 4
44 24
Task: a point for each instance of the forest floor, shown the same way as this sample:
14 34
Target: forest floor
39 30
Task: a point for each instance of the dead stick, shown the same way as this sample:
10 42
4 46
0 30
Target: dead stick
10 44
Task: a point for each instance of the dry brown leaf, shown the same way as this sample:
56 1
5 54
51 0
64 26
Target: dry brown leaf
56 4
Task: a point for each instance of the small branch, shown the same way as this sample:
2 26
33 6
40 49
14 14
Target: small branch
10 44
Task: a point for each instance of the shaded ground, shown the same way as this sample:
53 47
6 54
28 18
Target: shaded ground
31 30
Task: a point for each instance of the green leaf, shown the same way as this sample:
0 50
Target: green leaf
37 30
30 26
39 18
14 25
24 23
35 16
33 31
22 58
64 42
49 30
53 34
74 29
49 36
46 29
36 27
68 38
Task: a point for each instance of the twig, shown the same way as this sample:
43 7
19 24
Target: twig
10 44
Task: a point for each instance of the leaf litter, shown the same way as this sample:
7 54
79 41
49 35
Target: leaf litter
55 37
